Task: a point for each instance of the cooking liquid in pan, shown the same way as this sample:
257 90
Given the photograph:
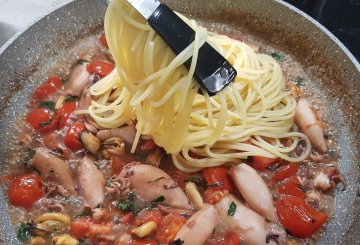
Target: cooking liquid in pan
73 206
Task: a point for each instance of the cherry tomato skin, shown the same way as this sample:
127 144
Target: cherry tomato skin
103 41
65 112
100 68
127 218
292 187
262 163
40 117
285 172
299 218
52 85
26 189
169 227
218 175
79 228
72 137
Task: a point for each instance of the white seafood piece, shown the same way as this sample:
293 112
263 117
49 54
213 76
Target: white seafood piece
91 181
198 229
247 224
308 120
54 169
78 78
149 182
254 190
126 133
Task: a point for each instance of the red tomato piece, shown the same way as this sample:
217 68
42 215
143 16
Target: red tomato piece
261 163
25 189
292 187
42 120
79 228
212 195
51 86
169 227
127 218
148 215
218 175
103 41
100 68
65 112
72 137
143 242
118 162
299 218
231 238
285 172
147 146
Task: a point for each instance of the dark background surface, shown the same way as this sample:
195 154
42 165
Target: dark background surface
341 17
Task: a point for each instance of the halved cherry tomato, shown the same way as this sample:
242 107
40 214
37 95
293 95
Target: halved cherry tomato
103 41
261 163
42 120
25 189
148 215
100 68
169 227
52 85
285 172
299 218
143 242
292 187
79 228
65 112
147 145
218 175
72 137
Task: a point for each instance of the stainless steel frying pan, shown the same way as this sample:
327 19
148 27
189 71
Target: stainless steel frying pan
275 22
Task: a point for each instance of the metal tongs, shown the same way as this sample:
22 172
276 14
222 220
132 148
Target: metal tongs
213 72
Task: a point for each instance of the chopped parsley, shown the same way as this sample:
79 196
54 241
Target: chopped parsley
72 98
277 56
201 184
43 124
48 105
299 81
23 233
126 206
158 199
29 155
232 209
80 62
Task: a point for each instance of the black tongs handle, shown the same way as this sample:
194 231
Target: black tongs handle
212 71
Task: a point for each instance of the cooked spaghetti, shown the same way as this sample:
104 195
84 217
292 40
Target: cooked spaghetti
251 117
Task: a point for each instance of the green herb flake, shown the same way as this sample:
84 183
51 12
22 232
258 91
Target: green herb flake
159 199
232 209
79 62
29 156
48 105
126 206
215 184
277 56
43 124
299 81
72 98
24 232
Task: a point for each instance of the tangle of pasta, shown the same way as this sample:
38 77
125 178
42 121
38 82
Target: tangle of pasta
251 117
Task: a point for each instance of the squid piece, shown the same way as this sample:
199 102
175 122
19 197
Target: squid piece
126 133
198 229
149 182
78 78
250 226
308 120
91 181
54 169
254 190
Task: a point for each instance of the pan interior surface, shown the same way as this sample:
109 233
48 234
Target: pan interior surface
335 72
